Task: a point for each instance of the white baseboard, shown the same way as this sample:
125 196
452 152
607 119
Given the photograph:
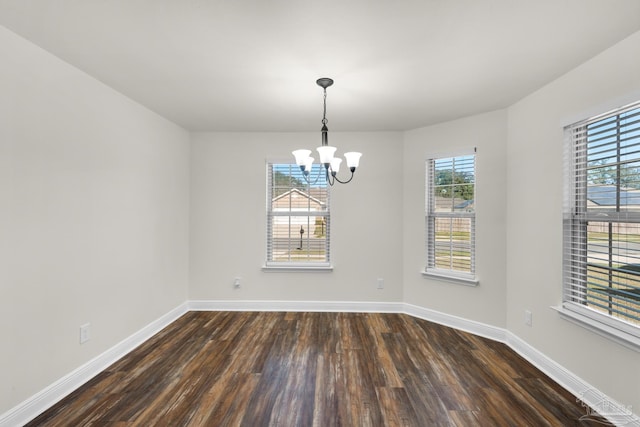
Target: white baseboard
476 328
617 413
330 306
46 398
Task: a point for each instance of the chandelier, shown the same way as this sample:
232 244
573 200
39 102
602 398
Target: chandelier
325 151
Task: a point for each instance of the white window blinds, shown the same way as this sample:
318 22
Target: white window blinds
298 217
450 216
602 219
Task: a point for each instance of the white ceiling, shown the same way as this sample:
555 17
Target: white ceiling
251 65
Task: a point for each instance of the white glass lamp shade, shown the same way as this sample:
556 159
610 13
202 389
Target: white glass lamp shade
335 164
308 164
326 153
353 159
301 156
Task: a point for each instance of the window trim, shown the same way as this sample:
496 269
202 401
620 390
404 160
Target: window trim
451 276
448 276
585 318
575 196
290 266
298 268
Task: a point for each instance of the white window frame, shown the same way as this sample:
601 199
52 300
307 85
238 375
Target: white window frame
448 274
576 218
294 217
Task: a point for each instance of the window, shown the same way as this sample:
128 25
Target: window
602 222
298 219
450 217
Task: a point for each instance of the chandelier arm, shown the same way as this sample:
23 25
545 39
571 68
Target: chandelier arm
315 180
347 181
331 179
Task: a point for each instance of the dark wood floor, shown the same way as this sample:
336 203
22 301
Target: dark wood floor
316 369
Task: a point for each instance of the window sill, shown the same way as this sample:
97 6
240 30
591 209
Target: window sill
623 338
459 280
305 268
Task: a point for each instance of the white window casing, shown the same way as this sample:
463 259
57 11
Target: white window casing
601 225
294 205
450 218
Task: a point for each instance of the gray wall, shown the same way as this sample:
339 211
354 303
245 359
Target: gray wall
228 225
534 217
93 218
486 302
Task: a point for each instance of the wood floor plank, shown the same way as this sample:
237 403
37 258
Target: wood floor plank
225 406
464 418
316 369
330 401
388 370
426 404
295 403
396 408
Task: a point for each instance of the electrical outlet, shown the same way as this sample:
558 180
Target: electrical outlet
85 333
528 318
380 283
236 282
